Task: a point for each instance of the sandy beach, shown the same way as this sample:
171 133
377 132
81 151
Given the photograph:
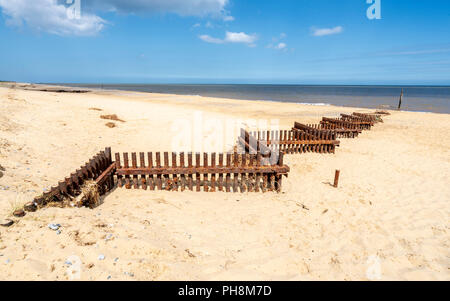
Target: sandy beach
388 220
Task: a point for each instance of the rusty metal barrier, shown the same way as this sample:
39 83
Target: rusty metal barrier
339 131
219 172
297 140
360 122
372 117
343 124
259 168
99 169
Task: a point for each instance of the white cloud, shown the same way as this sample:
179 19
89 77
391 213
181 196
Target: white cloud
228 18
232 37
318 32
210 39
281 46
181 7
49 16
240 37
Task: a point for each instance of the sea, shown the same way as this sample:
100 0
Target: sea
415 98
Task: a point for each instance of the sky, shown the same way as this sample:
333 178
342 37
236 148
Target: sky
385 42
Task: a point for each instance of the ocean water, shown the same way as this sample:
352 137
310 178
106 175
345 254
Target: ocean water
415 98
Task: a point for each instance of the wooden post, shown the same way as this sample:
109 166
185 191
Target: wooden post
336 178
183 178
150 164
400 100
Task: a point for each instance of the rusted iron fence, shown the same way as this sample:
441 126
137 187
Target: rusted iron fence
340 132
300 139
351 125
362 123
258 168
369 117
99 169
343 124
213 172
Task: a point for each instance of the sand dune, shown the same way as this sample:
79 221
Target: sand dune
388 220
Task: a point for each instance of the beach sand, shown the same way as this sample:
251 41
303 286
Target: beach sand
388 220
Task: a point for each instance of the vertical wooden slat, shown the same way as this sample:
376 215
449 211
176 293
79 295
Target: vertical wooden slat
197 175
126 165
158 177
309 146
251 176
75 183
228 176
119 178
279 178
277 139
183 177
243 183
174 176
286 142
62 187
265 182
142 165
213 176
295 137
69 186
81 177
235 175
258 175
221 174
320 135
165 177
151 180
142 160
190 176
134 165
205 175
93 168
305 145
316 137
85 172
327 135
271 182
286 139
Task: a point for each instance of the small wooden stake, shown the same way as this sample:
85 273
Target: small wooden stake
336 178
400 100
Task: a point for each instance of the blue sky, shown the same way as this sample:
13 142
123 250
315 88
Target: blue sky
226 41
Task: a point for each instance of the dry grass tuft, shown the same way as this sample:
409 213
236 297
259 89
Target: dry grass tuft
112 117
15 205
95 109
91 196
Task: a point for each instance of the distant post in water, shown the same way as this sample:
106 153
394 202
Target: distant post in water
400 100
336 178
